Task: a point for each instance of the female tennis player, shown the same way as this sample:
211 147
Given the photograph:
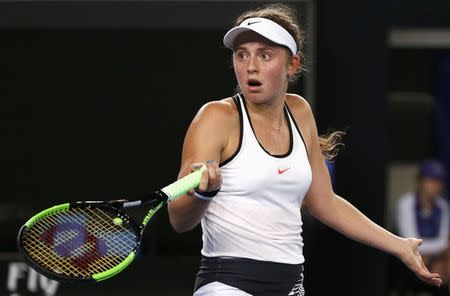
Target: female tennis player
271 162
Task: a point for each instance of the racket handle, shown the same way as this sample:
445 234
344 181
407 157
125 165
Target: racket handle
183 185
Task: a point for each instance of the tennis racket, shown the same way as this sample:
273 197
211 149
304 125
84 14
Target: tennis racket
92 240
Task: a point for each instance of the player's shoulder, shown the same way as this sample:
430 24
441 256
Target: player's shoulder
217 112
219 107
301 110
297 101
298 104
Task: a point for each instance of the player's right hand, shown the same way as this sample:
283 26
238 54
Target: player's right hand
211 178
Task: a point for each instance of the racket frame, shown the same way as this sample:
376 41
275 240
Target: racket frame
156 200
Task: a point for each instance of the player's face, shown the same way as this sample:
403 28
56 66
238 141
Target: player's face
430 187
262 67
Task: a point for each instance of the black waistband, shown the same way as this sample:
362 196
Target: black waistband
252 276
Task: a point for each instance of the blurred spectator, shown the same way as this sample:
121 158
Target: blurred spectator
425 214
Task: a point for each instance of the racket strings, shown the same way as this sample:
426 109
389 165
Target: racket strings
81 260
116 243
111 227
104 230
44 254
50 260
101 230
80 242
83 249
45 257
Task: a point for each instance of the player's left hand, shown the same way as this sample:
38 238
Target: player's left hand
412 259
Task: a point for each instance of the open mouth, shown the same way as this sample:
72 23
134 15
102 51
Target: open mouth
254 83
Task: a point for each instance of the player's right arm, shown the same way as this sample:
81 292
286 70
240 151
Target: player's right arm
204 142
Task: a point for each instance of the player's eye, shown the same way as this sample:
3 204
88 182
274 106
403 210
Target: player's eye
242 55
265 56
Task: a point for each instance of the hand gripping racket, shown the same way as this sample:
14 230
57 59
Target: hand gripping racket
91 240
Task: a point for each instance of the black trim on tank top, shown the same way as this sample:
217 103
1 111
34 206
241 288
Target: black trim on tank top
241 131
296 126
291 137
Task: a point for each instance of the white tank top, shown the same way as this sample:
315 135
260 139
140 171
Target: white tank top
256 214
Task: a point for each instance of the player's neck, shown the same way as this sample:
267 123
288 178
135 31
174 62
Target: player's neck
271 113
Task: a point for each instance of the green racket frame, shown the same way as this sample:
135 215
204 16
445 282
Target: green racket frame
157 200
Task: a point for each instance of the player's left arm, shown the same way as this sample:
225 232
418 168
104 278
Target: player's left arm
340 215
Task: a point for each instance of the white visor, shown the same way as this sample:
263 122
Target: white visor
264 27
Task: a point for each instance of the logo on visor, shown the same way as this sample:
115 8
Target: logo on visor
251 23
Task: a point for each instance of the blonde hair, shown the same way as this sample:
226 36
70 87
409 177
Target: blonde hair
331 144
286 17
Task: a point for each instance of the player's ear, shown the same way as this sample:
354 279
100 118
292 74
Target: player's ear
293 64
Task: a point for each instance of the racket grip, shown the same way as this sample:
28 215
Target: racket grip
183 185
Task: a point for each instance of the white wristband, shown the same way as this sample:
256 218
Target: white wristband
198 195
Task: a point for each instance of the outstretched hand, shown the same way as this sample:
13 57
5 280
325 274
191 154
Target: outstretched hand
412 259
